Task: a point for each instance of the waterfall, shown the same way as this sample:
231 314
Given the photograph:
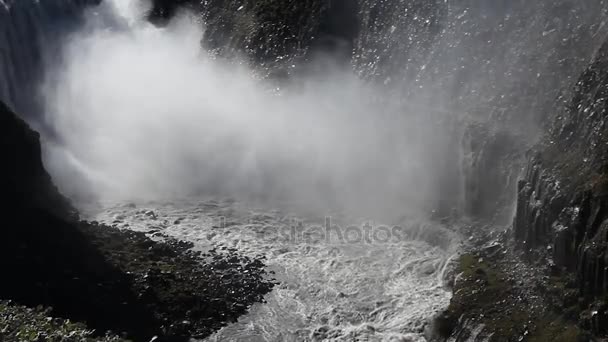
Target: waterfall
30 40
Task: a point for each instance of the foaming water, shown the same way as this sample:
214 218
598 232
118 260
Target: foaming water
333 289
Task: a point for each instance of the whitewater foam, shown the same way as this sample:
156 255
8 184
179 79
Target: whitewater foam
377 291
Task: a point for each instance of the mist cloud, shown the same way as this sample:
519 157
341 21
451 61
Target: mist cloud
144 113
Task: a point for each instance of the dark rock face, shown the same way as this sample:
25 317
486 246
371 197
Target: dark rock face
23 179
563 200
511 64
560 225
271 33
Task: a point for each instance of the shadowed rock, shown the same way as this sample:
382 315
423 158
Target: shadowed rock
109 279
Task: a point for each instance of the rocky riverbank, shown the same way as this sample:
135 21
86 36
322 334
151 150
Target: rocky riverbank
108 279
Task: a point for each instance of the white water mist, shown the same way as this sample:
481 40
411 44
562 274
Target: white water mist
144 113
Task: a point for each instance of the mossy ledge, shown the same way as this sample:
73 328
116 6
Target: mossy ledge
500 296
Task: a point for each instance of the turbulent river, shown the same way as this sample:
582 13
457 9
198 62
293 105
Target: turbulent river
368 284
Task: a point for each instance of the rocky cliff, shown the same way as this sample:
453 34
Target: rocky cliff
548 278
24 181
562 211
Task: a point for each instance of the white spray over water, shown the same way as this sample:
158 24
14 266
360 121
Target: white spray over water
144 113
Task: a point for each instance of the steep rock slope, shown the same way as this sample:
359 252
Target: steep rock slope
562 211
45 259
546 280
24 181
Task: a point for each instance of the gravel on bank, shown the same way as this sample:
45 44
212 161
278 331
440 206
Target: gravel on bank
121 283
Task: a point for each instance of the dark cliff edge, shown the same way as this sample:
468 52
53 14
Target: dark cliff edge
110 280
562 212
547 277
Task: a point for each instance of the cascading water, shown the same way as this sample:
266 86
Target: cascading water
30 39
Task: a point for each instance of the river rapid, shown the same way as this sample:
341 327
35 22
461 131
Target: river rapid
360 282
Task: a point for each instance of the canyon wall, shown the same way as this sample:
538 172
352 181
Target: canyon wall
562 212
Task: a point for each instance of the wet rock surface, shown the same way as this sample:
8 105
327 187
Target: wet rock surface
271 33
500 295
20 323
191 294
124 282
561 212
494 158
548 280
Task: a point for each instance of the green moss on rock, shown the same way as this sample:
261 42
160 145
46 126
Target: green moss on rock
19 323
498 298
